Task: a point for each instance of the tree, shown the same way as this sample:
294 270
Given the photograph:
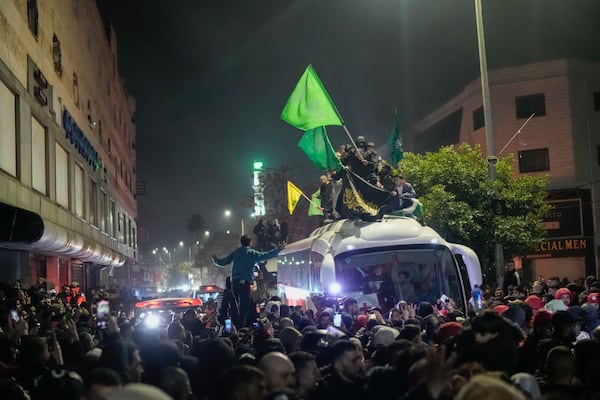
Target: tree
220 244
454 186
275 194
178 275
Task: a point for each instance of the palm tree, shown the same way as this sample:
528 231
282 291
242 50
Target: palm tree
195 225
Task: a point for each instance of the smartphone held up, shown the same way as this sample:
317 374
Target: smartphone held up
102 313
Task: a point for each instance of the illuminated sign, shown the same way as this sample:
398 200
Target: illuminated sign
563 247
79 141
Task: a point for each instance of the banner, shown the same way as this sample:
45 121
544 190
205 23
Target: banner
293 196
309 105
317 147
359 199
314 207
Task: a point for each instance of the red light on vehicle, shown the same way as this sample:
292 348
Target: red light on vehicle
209 288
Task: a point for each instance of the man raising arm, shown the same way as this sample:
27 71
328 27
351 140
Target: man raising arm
242 273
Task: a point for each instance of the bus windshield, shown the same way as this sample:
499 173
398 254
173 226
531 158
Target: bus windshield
410 273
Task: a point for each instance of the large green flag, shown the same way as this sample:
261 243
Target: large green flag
314 208
309 105
395 142
317 147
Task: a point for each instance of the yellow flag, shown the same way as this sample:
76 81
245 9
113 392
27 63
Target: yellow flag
293 196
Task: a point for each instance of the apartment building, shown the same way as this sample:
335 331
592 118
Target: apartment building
562 140
67 147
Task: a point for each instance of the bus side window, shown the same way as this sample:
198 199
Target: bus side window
315 272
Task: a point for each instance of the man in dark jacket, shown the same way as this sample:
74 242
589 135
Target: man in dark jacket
347 378
326 192
492 341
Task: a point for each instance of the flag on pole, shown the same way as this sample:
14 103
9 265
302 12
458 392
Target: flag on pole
317 147
314 208
395 141
360 199
309 105
293 196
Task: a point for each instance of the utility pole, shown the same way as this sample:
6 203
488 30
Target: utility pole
489 131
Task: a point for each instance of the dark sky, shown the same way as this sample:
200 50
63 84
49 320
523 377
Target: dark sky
211 78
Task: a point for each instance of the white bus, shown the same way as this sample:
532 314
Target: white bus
378 264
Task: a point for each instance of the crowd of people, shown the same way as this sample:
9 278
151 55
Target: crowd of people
539 343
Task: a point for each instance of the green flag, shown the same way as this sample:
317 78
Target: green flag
317 147
314 208
395 142
309 105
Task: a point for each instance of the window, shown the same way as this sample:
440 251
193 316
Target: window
78 191
597 101
102 214
94 219
534 160
62 176
532 104
129 239
111 219
38 157
478 119
57 56
76 89
32 17
8 130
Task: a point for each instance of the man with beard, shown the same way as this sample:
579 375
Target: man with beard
346 381
564 335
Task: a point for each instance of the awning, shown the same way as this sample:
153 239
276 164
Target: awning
24 230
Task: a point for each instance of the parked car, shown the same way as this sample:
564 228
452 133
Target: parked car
156 313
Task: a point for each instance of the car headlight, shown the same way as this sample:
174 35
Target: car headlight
152 321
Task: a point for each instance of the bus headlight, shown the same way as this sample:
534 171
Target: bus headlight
152 321
335 288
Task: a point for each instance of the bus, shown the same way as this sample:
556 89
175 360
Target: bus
378 264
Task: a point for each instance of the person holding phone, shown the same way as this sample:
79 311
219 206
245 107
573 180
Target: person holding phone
228 326
102 312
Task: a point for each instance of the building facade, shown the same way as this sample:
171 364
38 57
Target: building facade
562 140
67 148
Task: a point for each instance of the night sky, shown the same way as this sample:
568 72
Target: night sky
211 77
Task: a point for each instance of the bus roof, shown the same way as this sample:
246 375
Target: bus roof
355 235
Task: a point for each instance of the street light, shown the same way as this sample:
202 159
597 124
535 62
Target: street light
181 244
228 214
489 131
168 253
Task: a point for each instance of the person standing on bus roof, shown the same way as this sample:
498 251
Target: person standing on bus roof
242 273
326 194
404 192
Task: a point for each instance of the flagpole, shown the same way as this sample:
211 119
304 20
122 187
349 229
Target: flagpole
353 143
310 200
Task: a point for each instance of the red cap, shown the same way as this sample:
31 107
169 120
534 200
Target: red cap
560 292
593 298
361 321
534 302
500 308
448 330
